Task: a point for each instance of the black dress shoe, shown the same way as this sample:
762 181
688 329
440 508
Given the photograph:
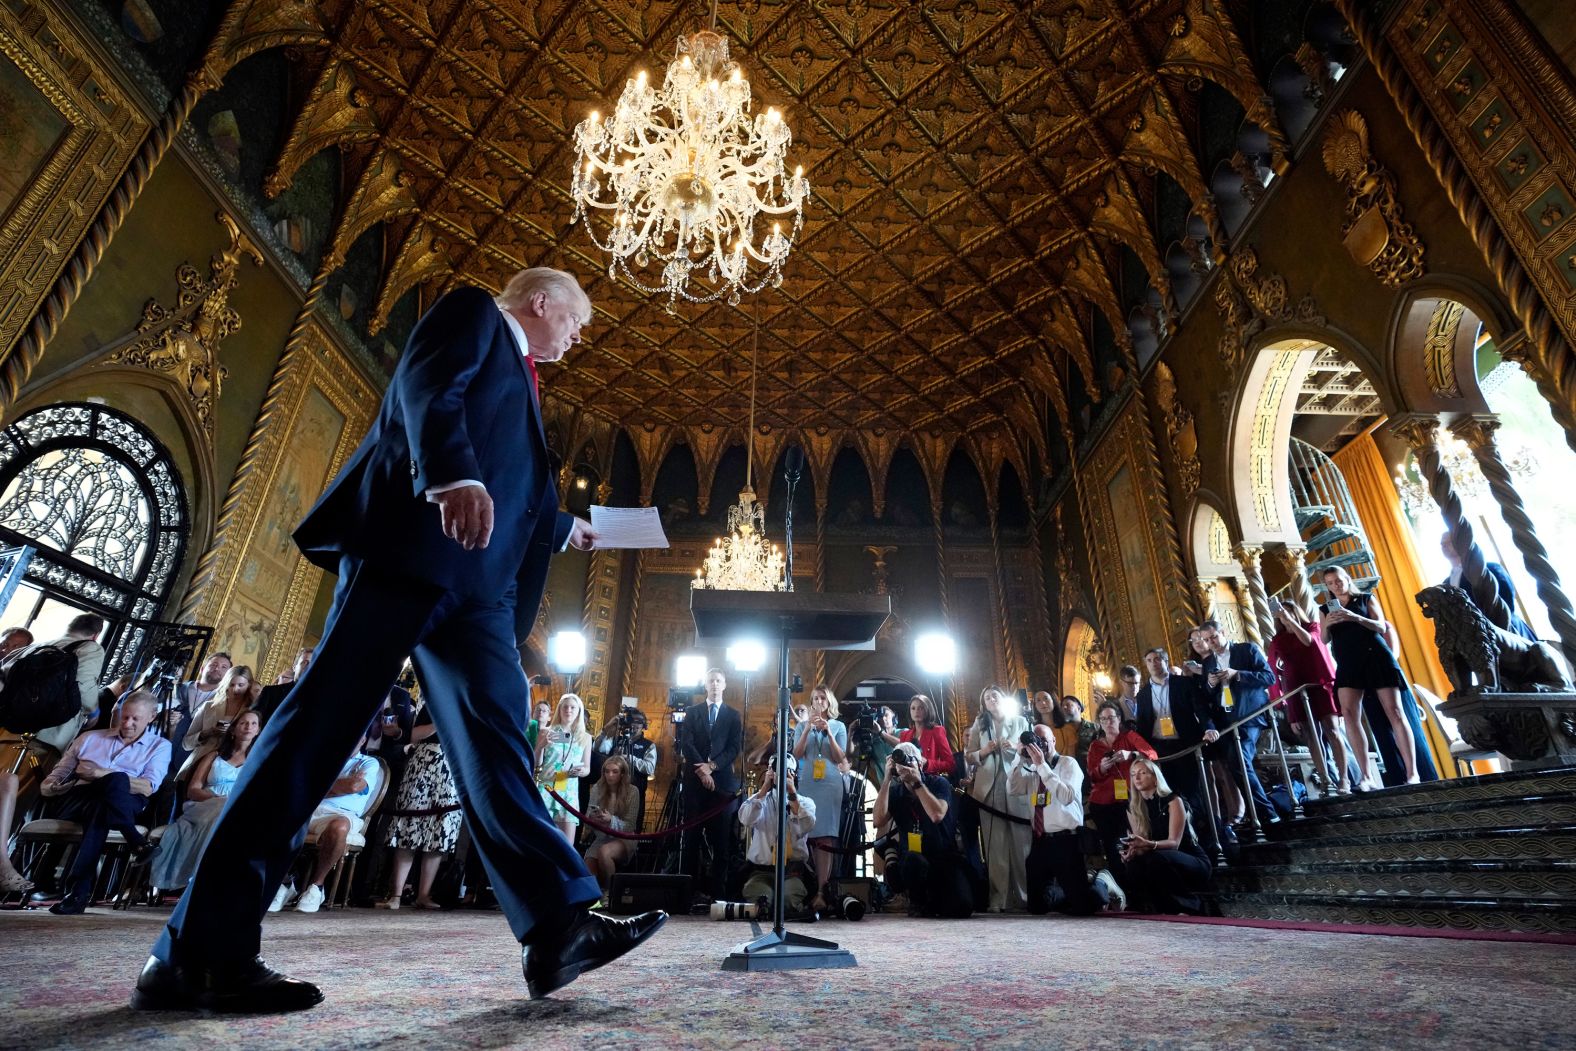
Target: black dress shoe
590 940
70 905
250 988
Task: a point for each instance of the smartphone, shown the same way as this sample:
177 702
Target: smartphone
631 702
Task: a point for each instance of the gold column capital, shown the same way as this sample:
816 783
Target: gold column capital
1420 430
1249 555
1478 430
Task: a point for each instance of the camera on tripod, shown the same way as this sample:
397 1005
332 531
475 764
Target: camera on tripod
864 727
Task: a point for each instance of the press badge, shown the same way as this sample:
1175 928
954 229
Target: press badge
818 769
1121 788
1167 727
914 840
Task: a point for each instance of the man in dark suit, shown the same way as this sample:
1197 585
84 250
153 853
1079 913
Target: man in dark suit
273 695
1498 575
1239 673
1173 715
457 448
709 741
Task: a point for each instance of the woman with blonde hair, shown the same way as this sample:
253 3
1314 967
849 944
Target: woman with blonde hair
1166 867
991 747
563 757
1353 625
236 692
821 746
615 803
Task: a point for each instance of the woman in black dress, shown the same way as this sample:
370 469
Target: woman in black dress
1353 625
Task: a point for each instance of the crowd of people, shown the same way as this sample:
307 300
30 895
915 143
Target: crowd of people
1009 822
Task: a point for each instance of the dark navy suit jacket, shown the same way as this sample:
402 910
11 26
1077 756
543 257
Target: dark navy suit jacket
1190 715
1250 689
460 406
721 746
1507 592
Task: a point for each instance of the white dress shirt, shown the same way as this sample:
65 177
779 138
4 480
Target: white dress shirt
759 815
1160 700
1061 782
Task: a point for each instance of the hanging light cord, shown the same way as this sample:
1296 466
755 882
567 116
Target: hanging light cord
755 369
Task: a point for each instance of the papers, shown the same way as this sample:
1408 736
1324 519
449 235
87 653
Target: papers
617 527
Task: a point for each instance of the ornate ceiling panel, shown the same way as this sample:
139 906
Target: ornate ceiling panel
975 166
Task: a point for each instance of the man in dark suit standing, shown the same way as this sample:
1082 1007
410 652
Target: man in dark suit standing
709 741
1240 672
1173 715
441 526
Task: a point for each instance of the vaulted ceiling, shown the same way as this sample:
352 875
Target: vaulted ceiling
976 167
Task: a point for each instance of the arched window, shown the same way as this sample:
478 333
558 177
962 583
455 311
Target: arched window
99 501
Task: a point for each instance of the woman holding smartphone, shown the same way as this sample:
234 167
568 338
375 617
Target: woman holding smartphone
1353 625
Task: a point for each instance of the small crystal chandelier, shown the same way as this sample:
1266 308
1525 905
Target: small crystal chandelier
1470 485
686 171
744 560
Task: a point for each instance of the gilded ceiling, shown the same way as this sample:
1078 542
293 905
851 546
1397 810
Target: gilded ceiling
975 166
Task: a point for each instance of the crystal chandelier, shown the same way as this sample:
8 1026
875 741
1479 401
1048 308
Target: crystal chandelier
744 560
685 172
1470 485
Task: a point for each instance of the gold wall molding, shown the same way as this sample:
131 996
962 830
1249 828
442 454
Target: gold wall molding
1375 233
78 128
252 584
1148 601
1473 87
1248 300
181 343
1181 432
1439 348
247 27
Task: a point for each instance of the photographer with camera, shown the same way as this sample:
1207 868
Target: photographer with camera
758 815
625 734
921 851
1053 785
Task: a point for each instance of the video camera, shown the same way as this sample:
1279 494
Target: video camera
864 727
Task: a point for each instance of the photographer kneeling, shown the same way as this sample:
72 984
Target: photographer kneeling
1166 867
922 857
1057 877
758 814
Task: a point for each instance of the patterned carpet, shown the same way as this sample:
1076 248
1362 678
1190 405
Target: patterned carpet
452 980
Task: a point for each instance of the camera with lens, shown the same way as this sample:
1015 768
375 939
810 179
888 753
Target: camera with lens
864 728
900 757
1028 738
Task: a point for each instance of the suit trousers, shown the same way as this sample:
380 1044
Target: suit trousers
470 674
102 806
1110 820
1004 845
936 884
1168 880
720 833
1059 879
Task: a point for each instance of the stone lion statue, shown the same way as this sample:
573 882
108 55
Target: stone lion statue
1470 645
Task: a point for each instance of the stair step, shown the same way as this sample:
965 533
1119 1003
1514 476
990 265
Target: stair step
1558 808
1333 534
1309 514
1505 843
1520 915
1542 879
1488 787
1346 559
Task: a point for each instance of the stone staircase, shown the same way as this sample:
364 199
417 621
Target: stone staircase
1493 853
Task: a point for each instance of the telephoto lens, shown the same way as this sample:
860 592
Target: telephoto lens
853 908
735 910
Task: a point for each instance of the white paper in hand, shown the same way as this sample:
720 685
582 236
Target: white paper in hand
617 527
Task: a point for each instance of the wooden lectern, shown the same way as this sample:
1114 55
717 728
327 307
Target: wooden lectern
801 620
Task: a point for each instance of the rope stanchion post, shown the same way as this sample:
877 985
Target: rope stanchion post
1316 747
1247 789
1208 791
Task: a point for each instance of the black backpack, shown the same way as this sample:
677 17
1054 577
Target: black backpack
40 689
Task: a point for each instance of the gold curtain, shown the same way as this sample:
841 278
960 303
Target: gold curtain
1400 576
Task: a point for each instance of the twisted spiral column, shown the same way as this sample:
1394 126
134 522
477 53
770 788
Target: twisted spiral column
1291 557
1552 365
957 710
1421 432
18 365
273 400
1014 672
1250 557
633 636
1042 606
820 574
1478 432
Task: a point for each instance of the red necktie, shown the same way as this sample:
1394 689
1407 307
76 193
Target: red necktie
536 381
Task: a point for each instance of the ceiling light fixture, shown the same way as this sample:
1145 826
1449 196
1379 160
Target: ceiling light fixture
686 172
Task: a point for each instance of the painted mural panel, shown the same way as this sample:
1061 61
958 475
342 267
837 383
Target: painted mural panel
1134 544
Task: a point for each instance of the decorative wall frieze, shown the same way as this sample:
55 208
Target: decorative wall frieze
1180 430
1439 348
1248 301
181 343
1375 233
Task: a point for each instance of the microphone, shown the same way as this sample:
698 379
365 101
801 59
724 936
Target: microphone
793 464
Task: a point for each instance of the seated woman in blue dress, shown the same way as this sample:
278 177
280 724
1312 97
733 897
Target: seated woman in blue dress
211 781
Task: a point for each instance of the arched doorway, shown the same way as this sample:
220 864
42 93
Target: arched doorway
98 501
1081 660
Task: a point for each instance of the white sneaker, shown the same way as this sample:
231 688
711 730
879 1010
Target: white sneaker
311 899
281 896
1116 896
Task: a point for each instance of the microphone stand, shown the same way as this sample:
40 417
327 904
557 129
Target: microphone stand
791 478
